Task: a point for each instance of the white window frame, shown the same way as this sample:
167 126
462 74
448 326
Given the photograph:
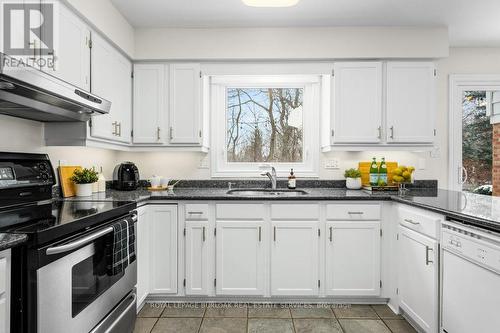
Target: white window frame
312 101
458 84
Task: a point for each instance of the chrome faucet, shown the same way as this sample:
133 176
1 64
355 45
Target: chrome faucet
272 177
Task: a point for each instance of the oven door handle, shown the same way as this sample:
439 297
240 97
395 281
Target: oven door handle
76 244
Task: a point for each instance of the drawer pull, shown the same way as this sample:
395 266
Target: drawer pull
260 234
355 213
274 234
331 234
427 260
195 213
411 221
203 233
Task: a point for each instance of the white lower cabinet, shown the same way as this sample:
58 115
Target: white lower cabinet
294 258
143 234
197 257
163 247
418 278
240 259
353 258
5 291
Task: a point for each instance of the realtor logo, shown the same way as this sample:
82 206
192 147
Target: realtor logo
28 31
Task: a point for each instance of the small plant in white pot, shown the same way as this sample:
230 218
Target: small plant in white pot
353 179
83 180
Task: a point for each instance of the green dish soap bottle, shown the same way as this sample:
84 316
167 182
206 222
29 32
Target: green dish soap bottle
374 173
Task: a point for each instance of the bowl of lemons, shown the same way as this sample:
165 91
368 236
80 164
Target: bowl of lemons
403 175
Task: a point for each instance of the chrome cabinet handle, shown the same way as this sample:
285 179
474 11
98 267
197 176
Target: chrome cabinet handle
274 236
171 132
392 132
411 221
463 175
260 234
427 260
158 133
380 132
195 213
331 234
355 213
203 234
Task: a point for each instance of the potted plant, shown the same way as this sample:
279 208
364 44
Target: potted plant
84 178
353 179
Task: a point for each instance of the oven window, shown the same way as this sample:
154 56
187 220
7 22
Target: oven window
90 278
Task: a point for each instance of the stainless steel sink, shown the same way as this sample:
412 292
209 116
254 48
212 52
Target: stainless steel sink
247 192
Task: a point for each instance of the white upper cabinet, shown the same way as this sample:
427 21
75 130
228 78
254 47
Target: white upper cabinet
72 56
185 104
353 258
111 79
410 102
294 258
357 102
149 103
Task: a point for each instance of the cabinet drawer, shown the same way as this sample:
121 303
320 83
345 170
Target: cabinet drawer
420 221
295 212
240 211
197 212
3 274
353 212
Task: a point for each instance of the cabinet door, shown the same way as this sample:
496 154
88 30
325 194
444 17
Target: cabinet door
5 273
149 103
418 278
163 259
111 79
239 258
197 258
353 258
410 102
72 56
294 258
143 235
357 102
185 101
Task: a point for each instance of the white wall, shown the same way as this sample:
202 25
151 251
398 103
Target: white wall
291 43
108 20
20 135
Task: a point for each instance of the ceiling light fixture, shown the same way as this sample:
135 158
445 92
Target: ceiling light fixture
270 3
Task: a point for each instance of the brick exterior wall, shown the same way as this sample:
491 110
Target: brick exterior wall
496 159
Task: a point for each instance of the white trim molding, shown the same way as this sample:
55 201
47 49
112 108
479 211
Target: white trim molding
309 167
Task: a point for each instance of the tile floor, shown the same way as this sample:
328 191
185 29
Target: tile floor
265 318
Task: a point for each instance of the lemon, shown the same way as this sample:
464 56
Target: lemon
398 179
407 175
397 172
411 169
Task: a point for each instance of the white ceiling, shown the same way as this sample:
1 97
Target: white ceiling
470 22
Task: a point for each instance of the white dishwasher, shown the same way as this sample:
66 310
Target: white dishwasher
470 280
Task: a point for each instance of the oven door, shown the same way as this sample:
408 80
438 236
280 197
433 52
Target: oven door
75 293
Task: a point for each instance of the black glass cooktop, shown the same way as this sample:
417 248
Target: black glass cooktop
56 219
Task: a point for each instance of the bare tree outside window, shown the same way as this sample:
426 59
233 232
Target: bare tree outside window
264 125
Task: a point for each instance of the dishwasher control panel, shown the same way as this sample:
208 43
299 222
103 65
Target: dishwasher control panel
475 246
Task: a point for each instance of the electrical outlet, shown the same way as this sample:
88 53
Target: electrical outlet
332 164
204 163
421 164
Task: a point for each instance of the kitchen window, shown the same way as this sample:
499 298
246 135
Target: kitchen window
264 121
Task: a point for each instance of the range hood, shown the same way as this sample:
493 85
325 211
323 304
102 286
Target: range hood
29 93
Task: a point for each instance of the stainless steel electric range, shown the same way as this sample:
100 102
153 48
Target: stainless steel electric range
61 280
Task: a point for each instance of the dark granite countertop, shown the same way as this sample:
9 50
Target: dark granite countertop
8 241
468 208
